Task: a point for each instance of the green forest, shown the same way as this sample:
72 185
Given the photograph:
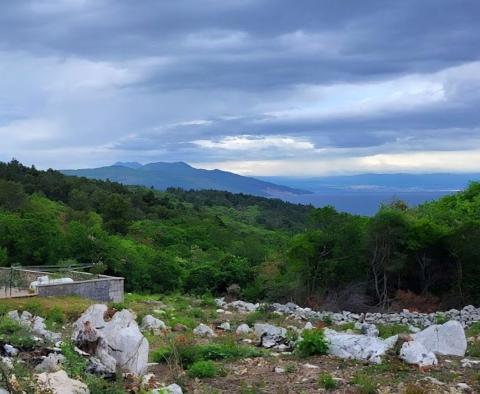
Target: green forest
205 241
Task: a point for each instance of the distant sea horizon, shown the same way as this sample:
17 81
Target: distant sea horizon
364 203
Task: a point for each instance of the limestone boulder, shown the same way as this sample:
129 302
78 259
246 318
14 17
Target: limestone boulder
202 330
117 342
445 339
358 347
59 383
152 324
413 352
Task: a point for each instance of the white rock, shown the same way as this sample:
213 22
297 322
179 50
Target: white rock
10 350
358 347
243 329
468 363
413 329
7 363
225 326
370 330
270 330
444 339
308 326
60 383
311 366
152 324
51 363
172 389
279 370
202 330
220 310
413 352
122 339
464 387
243 307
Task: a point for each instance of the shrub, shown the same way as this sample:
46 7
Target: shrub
473 349
406 299
74 364
202 369
313 342
327 319
326 381
440 318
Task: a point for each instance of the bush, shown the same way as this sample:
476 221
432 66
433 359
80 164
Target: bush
440 318
56 315
326 381
202 369
473 349
474 329
313 343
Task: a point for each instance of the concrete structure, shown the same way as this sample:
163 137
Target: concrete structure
17 281
104 288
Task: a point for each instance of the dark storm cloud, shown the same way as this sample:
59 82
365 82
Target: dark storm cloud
197 80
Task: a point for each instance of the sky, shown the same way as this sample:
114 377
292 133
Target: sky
257 87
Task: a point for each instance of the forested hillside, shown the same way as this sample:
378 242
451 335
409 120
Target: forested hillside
205 241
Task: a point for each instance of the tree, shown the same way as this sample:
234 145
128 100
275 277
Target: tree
116 214
12 195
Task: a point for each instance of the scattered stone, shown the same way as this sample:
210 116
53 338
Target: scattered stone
220 310
171 389
51 363
413 329
6 362
10 350
34 323
153 325
468 363
225 326
271 336
308 326
243 329
414 352
370 330
311 366
202 330
242 306
119 339
358 347
464 387
444 339
279 370
60 383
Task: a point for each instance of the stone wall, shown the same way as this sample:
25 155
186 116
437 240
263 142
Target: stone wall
106 289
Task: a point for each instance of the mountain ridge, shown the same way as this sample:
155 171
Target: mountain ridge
162 175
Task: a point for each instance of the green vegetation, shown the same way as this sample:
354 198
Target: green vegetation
15 334
203 369
189 352
313 342
202 242
326 381
388 330
366 384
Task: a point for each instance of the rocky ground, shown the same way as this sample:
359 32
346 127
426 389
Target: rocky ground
174 344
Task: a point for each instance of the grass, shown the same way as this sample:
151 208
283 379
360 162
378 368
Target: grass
203 369
313 342
473 349
189 352
440 318
72 307
264 316
365 383
327 381
388 330
15 334
474 330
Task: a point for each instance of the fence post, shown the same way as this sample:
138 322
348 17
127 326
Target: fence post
11 281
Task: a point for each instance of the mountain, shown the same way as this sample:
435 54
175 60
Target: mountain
164 175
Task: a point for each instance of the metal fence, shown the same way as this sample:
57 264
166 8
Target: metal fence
16 281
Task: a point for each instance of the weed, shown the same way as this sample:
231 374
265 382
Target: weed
74 364
15 334
327 319
313 342
414 389
365 383
118 306
202 369
291 368
388 330
440 318
346 326
327 381
474 329
473 349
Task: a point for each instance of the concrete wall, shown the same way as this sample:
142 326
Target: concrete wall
106 289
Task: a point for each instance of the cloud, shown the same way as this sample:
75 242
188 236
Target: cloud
325 87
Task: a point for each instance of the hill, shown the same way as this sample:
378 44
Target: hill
164 175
